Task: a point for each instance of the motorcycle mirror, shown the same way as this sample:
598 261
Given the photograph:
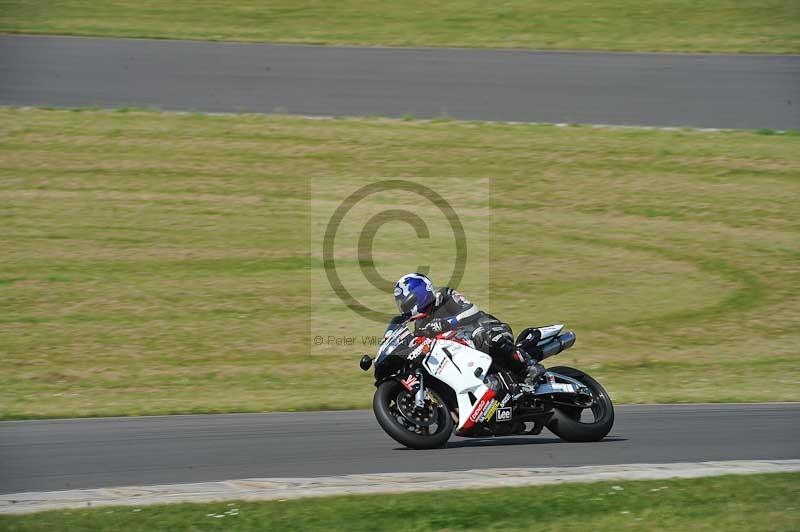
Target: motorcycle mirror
365 363
408 303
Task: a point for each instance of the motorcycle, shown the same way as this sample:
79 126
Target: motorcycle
429 386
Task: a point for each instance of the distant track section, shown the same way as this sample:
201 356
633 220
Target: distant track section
715 91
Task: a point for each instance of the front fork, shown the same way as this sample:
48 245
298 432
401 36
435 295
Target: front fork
419 399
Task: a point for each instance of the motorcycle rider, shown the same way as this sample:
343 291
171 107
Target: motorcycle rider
449 310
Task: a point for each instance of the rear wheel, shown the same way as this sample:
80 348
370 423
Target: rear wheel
578 423
426 427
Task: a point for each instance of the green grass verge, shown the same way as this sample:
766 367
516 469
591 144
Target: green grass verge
731 503
161 263
768 26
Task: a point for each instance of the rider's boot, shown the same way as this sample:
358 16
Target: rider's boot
534 371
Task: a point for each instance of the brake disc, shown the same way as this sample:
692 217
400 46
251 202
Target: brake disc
424 416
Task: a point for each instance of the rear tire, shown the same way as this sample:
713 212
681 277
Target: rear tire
391 420
566 423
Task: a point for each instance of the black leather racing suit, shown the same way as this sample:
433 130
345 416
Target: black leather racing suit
452 311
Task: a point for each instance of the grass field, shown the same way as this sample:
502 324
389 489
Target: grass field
161 263
769 26
752 502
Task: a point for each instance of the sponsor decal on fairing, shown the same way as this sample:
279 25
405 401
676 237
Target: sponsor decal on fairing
443 364
487 416
417 352
504 414
409 382
480 407
477 411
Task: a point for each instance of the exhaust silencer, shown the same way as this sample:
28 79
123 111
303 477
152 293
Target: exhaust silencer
559 343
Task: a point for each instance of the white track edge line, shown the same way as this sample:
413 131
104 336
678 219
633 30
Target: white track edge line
263 489
282 113
419 48
618 407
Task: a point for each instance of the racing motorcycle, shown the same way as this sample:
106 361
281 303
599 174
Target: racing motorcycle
429 386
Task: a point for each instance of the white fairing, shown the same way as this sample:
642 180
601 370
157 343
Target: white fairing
455 364
550 332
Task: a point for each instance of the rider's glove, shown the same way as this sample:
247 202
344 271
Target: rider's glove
437 326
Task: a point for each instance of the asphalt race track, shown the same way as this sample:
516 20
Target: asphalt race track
635 89
717 91
85 453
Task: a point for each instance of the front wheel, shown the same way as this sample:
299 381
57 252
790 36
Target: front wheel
580 424
427 427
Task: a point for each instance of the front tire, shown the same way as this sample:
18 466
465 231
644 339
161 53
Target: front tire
568 424
388 405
